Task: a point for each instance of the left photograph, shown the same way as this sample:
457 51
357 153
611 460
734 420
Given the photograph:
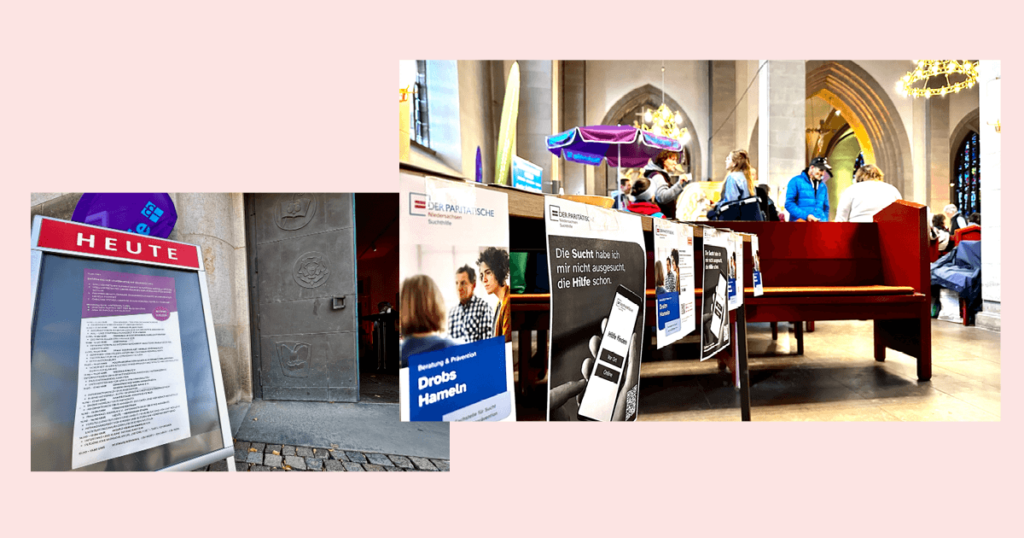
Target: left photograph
219 332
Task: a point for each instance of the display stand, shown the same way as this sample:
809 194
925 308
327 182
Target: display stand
111 373
527 234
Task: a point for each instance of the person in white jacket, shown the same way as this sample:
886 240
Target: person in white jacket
868 195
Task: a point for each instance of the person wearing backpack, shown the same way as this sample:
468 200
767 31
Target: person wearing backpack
739 183
738 201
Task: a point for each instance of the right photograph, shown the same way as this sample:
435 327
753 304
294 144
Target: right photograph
699 240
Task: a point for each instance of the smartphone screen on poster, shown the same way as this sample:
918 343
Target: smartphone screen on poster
609 367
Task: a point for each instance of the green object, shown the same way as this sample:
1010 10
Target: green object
517 269
507 132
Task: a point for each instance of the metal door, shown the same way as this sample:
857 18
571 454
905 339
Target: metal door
302 268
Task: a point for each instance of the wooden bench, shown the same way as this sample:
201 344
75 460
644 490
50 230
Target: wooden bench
815 271
834 271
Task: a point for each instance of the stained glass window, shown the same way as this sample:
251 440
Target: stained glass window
858 163
965 185
420 131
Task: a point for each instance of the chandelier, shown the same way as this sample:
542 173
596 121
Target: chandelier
665 123
964 72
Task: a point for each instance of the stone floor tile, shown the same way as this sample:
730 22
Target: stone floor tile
442 465
254 457
272 448
304 451
422 463
353 467
314 464
219 466
374 468
403 462
334 466
287 450
270 460
378 459
295 462
356 457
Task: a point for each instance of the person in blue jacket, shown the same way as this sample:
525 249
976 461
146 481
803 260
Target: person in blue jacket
807 194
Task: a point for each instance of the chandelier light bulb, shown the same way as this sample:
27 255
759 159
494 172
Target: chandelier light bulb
648 117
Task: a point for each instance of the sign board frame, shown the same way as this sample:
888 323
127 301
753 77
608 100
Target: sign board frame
185 263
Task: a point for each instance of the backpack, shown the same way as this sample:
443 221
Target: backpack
745 209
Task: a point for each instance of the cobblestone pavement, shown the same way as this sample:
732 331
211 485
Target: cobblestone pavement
252 456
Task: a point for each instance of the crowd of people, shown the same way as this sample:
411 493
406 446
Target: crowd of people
657 194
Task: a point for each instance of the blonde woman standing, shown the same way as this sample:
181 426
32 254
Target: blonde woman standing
868 195
739 184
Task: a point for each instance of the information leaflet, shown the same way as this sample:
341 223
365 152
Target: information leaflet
754 255
735 249
131 381
671 282
597 266
714 335
455 294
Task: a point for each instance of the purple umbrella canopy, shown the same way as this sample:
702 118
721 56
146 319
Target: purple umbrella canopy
142 213
622 145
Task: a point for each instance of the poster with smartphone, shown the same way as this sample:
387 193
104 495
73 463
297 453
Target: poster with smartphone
758 284
597 265
714 334
672 283
456 350
735 248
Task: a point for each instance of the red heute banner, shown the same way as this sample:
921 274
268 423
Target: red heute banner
103 242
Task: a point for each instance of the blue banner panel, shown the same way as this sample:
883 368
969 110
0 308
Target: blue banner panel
447 380
668 312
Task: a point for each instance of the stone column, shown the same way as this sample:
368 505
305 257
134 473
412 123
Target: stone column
723 116
534 123
574 86
782 141
216 222
991 193
937 191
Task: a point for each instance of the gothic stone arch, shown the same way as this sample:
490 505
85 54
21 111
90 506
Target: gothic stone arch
872 116
650 96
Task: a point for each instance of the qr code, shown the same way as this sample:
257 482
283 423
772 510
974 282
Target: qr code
631 402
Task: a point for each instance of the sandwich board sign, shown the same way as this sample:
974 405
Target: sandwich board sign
125 371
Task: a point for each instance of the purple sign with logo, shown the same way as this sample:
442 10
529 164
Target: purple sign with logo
110 293
149 214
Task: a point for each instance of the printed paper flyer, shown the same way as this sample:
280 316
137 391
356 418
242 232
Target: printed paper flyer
131 381
758 284
714 308
673 280
597 265
456 352
735 248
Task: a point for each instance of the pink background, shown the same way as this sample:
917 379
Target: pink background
261 96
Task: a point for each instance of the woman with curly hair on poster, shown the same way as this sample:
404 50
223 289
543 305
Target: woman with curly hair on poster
494 267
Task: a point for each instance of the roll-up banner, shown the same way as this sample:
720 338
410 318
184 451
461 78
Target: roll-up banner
125 371
714 305
758 283
673 280
456 352
597 266
735 252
